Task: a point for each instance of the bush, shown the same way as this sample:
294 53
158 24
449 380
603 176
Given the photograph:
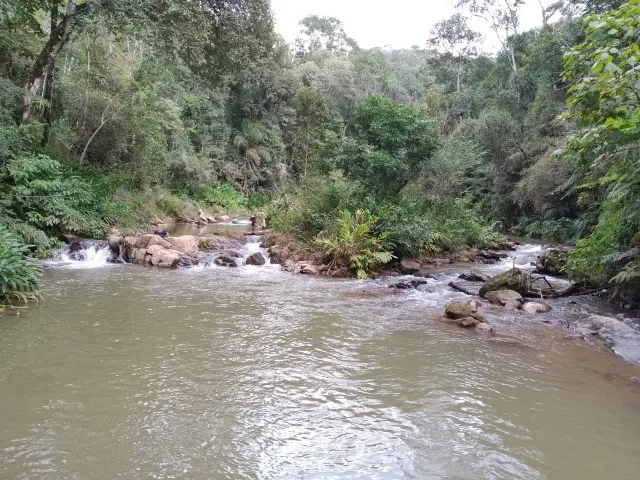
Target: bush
20 274
352 242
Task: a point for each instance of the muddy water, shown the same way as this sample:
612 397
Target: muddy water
210 373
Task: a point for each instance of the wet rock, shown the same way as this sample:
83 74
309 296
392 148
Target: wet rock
224 261
115 241
553 262
475 304
75 247
536 307
409 284
279 254
255 259
623 339
469 288
409 267
484 328
514 279
310 269
474 276
224 218
458 310
502 297
218 243
491 256
438 261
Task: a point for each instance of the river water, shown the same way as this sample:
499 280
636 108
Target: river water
213 373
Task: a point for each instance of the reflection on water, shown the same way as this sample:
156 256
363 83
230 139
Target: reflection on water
127 372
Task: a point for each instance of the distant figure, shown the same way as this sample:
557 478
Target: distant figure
161 233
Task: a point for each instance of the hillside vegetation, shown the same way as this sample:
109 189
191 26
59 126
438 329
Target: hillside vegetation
118 113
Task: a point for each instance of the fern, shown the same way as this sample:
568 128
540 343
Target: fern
20 274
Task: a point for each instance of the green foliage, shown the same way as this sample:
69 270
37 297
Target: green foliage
352 242
20 275
558 229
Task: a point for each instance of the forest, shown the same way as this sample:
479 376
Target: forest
116 113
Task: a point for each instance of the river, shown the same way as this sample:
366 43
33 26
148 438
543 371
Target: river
254 373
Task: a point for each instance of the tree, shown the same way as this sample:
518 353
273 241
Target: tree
322 33
502 17
207 34
454 37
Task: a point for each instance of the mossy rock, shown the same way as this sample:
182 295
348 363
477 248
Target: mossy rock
553 262
514 279
458 311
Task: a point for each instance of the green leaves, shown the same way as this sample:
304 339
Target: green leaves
20 275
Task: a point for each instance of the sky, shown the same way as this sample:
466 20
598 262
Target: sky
380 23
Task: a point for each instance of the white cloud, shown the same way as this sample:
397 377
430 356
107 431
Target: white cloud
377 23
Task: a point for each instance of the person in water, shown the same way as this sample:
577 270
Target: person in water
161 233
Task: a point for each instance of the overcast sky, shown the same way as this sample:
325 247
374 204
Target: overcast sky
378 23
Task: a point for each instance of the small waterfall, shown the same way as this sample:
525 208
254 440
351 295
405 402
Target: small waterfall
253 245
93 254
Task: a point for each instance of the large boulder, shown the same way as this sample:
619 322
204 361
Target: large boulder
514 279
185 243
218 243
553 262
161 257
503 297
457 311
255 259
409 267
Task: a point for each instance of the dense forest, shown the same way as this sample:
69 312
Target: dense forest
116 113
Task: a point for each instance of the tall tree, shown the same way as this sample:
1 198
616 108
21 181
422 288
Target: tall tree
503 19
322 33
454 37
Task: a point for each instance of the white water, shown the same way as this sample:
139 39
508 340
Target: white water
95 254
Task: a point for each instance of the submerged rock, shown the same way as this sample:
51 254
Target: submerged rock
503 297
409 284
623 339
255 259
474 276
536 307
514 279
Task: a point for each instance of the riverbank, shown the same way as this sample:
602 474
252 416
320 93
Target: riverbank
459 278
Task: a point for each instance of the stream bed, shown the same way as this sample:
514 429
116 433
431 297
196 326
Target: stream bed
255 373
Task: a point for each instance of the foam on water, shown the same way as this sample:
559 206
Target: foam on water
94 254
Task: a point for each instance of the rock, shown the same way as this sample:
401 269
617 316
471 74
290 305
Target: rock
278 254
164 258
514 279
475 303
224 218
502 297
623 339
218 243
438 261
115 241
458 310
185 243
473 276
553 262
75 246
259 221
224 261
158 240
309 269
484 327
255 259
409 284
465 322
469 288
409 267
536 307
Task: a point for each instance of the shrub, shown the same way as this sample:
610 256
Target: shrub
19 274
353 243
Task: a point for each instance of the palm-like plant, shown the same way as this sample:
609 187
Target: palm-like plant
354 243
19 274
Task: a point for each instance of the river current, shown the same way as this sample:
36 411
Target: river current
254 373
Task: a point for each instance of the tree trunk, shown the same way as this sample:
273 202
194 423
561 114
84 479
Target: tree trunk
58 37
